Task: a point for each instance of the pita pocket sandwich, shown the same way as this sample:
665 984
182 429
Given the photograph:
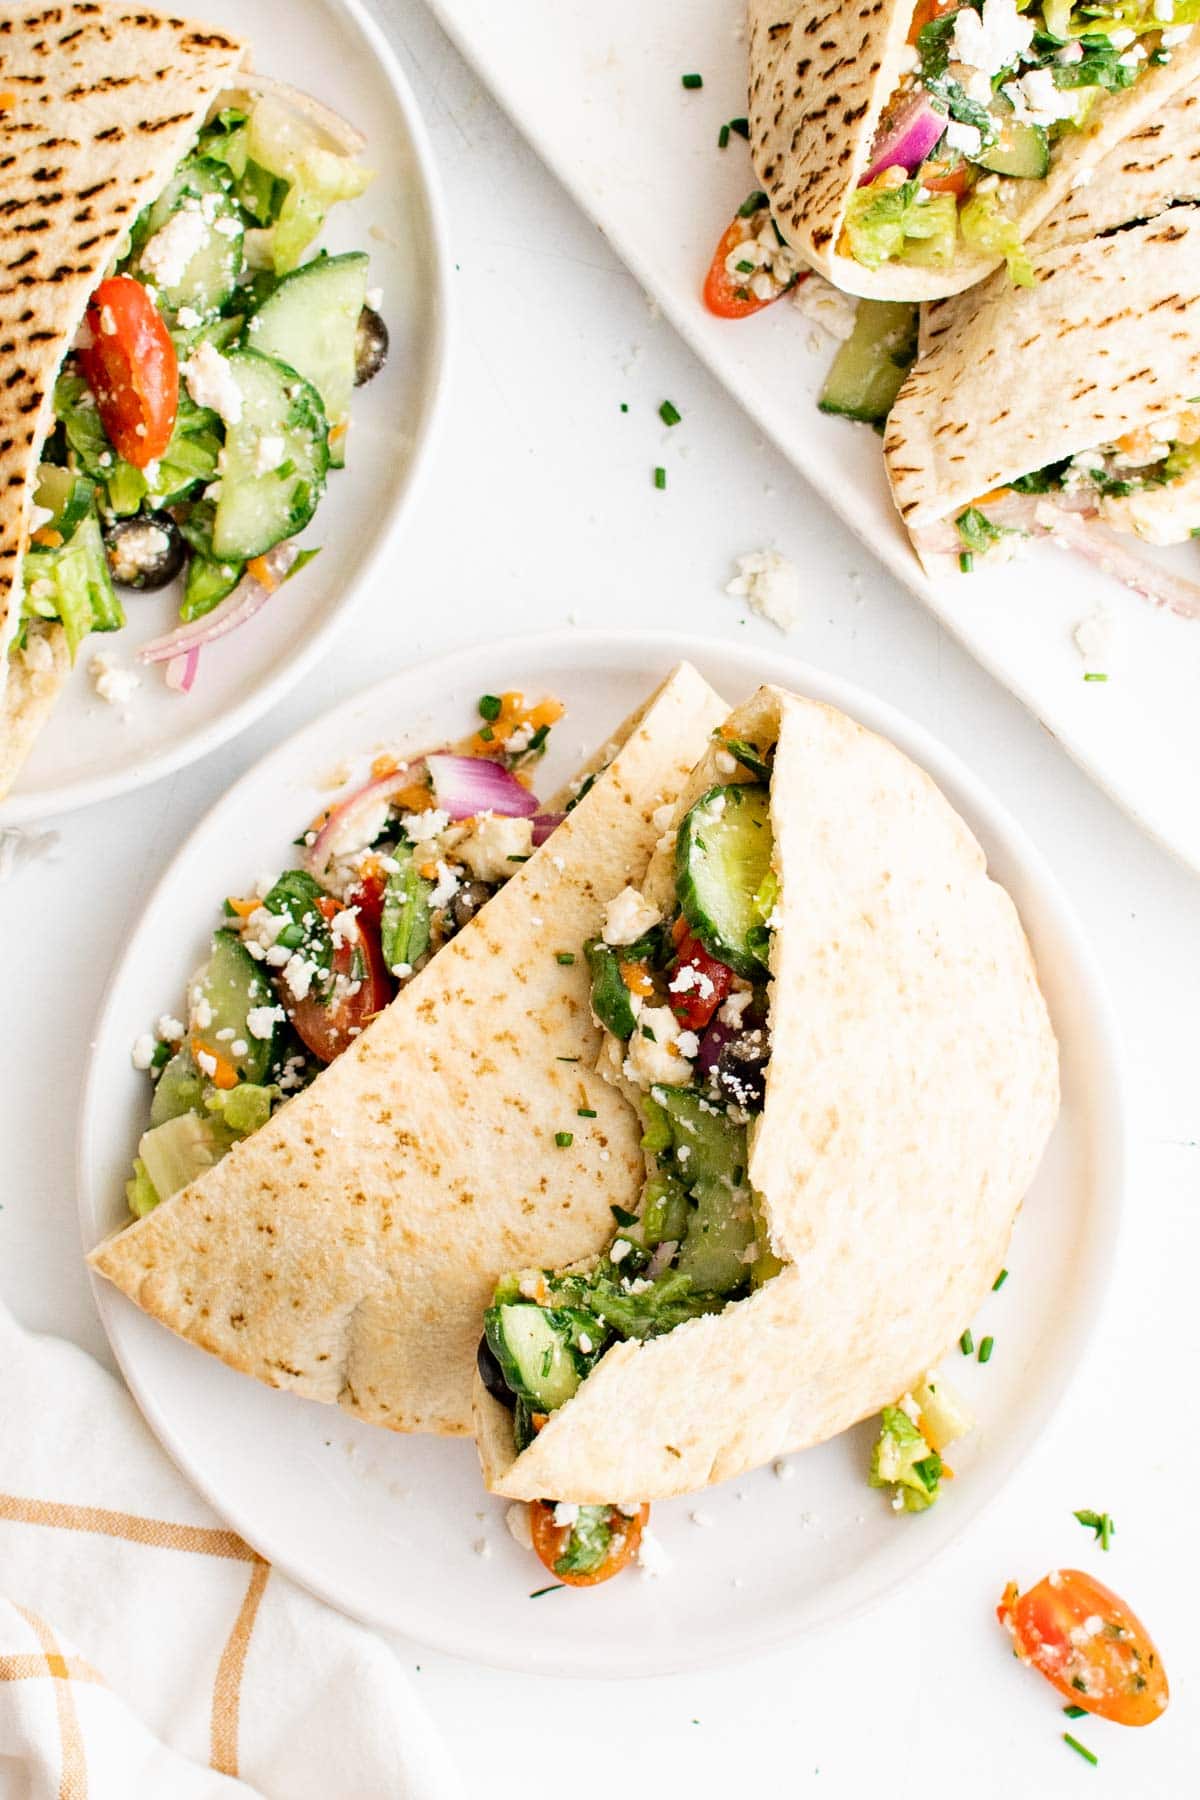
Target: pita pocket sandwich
906 154
1067 411
347 1248
846 1076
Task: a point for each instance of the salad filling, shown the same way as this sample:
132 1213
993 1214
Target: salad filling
298 967
207 395
989 93
684 999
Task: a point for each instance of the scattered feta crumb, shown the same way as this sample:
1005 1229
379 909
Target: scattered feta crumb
170 1029
269 453
783 1469
566 1512
167 254
1098 640
206 1062
652 1558
826 305
111 682
143 1051
492 843
211 382
262 1020
771 584
482 1548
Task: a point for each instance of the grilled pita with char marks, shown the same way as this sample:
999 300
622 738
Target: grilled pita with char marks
101 103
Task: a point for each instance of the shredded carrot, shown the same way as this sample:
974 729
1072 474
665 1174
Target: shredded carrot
947 1471
546 712
414 799
321 819
261 570
384 765
636 978
336 432
47 536
537 1420
679 930
243 908
428 871
224 1075
993 494
327 906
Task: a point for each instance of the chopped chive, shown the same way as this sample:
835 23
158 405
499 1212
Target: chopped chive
753 203
741 293
552 1589
966 1343
566 957
489 707
564 1139
584 1112
1080 1749
537 740
623 1216
1000 1280
516 859
985 1349
486 734
660 478
722 137
692 81
624 406
966 562
1099 1523
741 126
667 412
745 268
566 1059
1093 676
1075 1712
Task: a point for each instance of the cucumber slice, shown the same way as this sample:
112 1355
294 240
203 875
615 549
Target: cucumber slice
404 921
534 1348
69 497
722 859
179 1089
232 983
210 275
255 511
665 1210
720 1233
1020 150
715 1147
310 322
612 1002
870 366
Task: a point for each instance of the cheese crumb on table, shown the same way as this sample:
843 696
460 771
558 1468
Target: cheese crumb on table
771 584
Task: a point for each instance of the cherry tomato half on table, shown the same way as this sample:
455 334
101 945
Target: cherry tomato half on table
551 1541
329 1026
131 367
1080 1636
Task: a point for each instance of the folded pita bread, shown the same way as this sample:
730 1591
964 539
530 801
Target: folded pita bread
1111 331
1152 168
821 76
100 105
347 1249
911 1089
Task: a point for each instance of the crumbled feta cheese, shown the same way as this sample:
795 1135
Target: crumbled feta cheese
167 254
39 516
201 1013
1122 37
211 382
726 764
343 927
627 917
1098 641
206 1062
262 1020
1045 102
492 843
687 977
187 318
652 1558
517 1520
112 683
566 1512
422 827
143 1051
993 39
298 973
269 453
688 1044
446 886
585 1343
620 1250
657 1058
730 1010
826 306
966 138
227 227
770 583
170 1029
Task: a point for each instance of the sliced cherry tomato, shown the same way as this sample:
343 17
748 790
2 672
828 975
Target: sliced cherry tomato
1085 1640
727 295
131 367
926 11
944 175
361 989
550 1541
368 896
695 1004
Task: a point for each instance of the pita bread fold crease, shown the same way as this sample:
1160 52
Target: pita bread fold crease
912 1085
1107 342
346 1250
100 102
821 75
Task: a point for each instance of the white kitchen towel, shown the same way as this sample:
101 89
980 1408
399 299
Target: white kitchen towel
146 1652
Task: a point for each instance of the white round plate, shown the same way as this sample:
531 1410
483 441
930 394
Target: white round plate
388 1527
90 750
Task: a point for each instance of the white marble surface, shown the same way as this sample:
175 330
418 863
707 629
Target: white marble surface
540 511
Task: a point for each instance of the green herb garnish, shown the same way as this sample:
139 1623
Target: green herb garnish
1080 1749
668 412
660 478
966 1343
1099 1523
489 707
566 957
564 1139
691 82
1000 1280
985 1349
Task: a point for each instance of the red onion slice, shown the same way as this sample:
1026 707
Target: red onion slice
544 824
248 597
343 829
180 672
466 785
907 142
1135 570
713 1042
661 1258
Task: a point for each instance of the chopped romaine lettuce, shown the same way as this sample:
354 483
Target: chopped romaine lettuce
903 1461
140 1191
887 224
987 229
242 1108
287 146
